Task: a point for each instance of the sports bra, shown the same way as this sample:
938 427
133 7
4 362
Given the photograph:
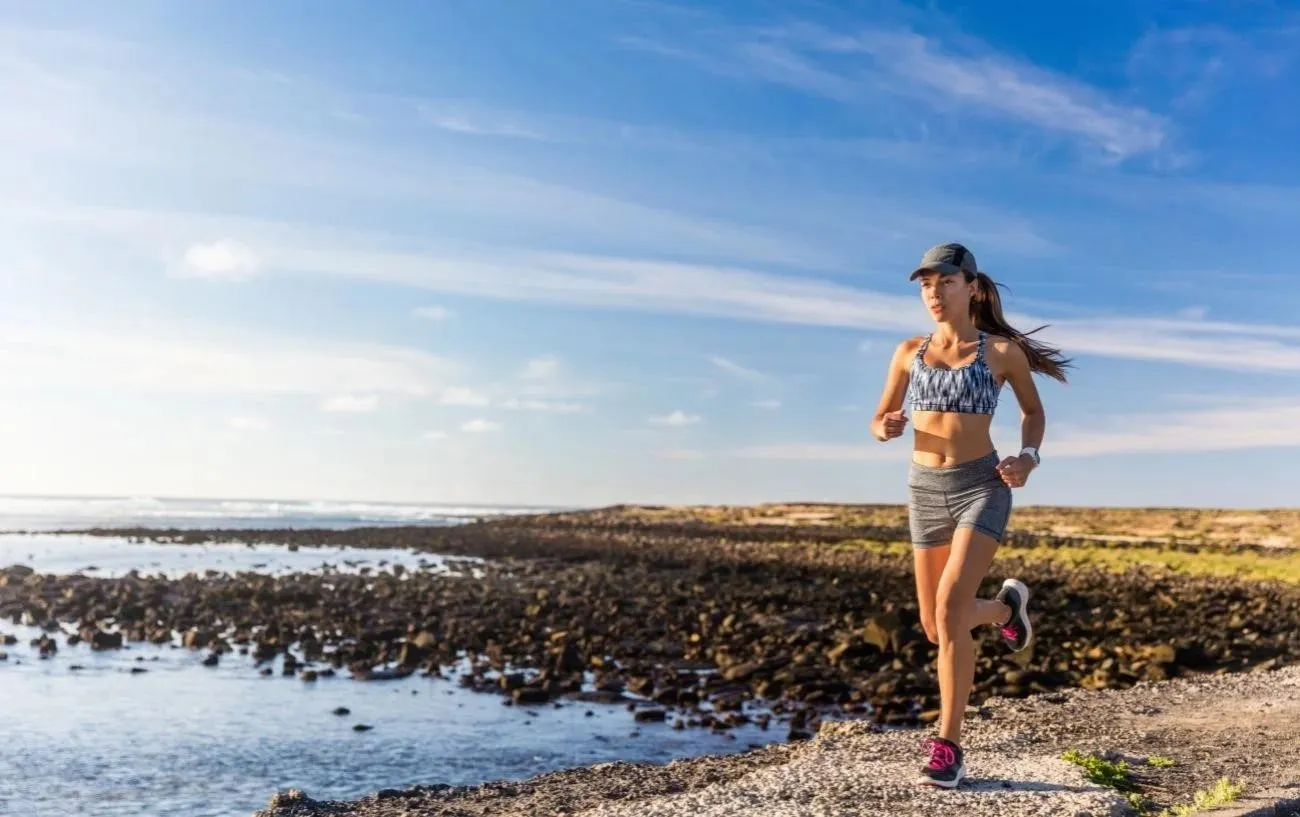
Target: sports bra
970 389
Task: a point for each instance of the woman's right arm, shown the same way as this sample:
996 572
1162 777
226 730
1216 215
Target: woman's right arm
889 420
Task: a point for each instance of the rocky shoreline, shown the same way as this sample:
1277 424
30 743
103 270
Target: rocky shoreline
700 628
1242 728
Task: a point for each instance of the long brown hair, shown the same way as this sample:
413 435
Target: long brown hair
986 309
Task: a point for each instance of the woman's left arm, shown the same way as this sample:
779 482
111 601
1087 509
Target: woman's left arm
1033 421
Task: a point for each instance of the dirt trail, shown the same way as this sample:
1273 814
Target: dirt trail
1242 726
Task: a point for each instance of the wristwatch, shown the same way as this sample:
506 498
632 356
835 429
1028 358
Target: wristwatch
1031 451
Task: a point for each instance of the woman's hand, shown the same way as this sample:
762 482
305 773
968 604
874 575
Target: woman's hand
1015 470
892 424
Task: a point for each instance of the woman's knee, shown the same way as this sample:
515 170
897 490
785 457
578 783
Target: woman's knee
931 630
952 614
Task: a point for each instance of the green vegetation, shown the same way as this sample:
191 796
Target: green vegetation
1284 566
1115 775
1222 792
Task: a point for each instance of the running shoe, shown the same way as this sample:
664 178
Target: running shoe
947 764
1017 632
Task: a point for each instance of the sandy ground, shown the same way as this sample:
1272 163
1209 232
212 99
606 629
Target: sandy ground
1243 726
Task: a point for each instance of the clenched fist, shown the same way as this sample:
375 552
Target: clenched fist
1015 470
893 423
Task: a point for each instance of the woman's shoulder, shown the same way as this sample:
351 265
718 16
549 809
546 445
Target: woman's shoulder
1002 346
908 346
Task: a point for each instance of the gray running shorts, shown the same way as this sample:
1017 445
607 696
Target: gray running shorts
967 495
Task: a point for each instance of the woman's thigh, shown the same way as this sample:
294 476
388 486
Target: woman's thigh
968 563
929 565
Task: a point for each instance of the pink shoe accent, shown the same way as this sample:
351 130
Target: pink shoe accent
942 755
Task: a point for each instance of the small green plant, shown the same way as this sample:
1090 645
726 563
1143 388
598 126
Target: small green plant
1222 792
1111 773
1138 802
1160 762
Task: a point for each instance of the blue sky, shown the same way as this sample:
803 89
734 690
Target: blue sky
600 251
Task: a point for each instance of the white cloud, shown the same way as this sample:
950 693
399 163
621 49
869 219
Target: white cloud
221 260
959 77
677 419
460 117
541 367
991 83
1256 424
1194 313
351 403
184 359
462 396
479 425
433 313
725 291
248 424
825 452
732 367
436 434
529 404
769 404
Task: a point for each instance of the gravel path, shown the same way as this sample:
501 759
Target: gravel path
1243 726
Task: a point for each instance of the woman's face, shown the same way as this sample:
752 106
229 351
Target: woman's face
946 296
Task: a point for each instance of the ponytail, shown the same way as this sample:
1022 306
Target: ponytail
986 309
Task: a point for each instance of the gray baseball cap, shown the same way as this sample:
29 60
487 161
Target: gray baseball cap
946 259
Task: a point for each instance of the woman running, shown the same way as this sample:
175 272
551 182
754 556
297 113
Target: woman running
959 491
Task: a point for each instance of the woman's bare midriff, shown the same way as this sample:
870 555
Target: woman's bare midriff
946 438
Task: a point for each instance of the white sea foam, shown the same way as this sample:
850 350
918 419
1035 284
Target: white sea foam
48 513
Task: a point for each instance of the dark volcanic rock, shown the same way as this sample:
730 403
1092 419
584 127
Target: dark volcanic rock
784 619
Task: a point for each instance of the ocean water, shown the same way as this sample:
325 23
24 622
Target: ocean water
35 513
110 557
184 739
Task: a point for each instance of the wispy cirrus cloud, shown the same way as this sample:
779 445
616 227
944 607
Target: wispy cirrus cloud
475 120
1257 423
533 404
473 398
1251 424
733 368
823 452
706 290
179 359
864 66
1194 65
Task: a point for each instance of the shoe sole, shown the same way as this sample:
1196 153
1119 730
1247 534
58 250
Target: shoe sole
945 784
1019 587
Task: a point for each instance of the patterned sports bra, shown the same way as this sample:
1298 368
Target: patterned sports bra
970 389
